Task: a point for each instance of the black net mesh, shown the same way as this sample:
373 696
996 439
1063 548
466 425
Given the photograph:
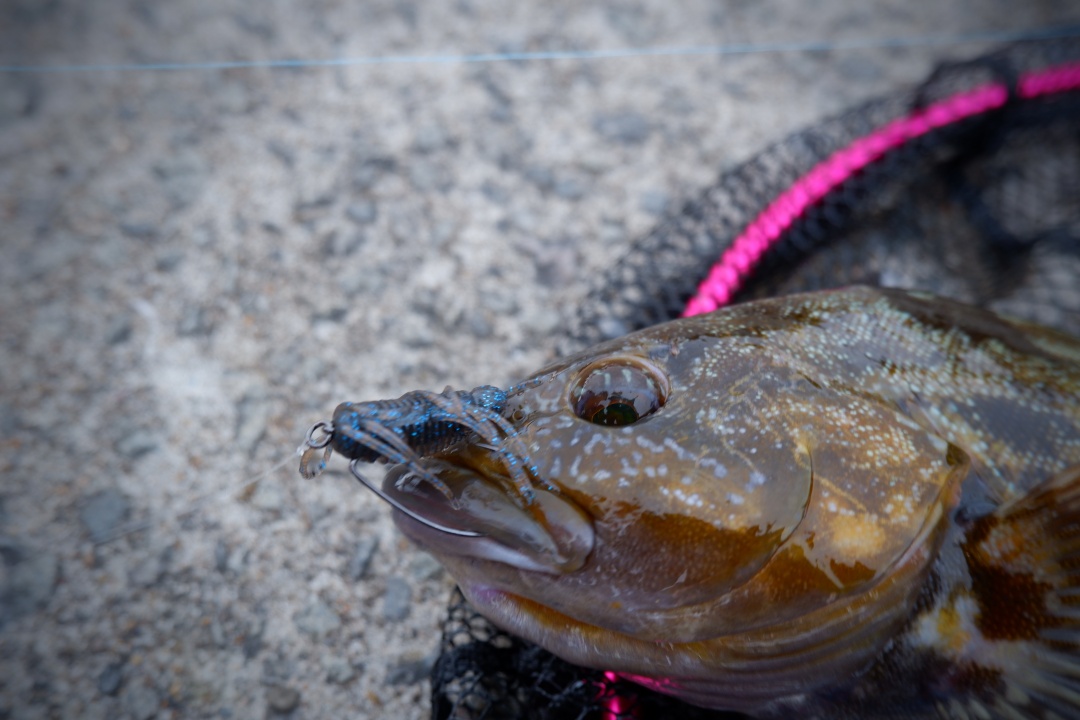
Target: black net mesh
985 210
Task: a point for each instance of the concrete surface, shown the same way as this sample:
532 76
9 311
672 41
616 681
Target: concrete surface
198 264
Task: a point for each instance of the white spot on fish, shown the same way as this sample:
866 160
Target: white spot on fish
649 445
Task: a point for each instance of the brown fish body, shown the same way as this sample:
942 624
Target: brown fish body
852 503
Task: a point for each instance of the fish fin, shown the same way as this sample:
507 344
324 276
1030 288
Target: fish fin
1024 561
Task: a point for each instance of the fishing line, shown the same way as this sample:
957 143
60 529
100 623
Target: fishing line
198 503
189 508
903 41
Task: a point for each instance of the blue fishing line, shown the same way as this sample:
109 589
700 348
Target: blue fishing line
1046 33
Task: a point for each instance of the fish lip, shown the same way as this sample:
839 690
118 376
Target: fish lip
550 534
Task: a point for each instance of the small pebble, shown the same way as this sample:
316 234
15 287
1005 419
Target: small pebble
397 600
426 567
110 679
253 414
430 176
277 671
142 702
104 512
338 670
282 152
339 244
625 127
253 638
221 556
410 669
183 176
654 202
268 496
119 330
317 620
31 582
570 189
139 231
137 443
362 212
361 558
282 699
195 322
151 570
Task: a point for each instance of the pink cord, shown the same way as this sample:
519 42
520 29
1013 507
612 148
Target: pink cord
726 276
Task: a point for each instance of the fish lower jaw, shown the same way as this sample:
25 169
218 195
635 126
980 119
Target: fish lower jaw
683 670
752 672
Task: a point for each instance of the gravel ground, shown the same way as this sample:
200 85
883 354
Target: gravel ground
198 264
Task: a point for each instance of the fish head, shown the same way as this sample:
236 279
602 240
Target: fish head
680 495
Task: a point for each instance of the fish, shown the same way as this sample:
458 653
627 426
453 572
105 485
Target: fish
857 503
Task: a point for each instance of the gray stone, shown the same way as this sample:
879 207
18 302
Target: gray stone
221 556
317 620
495 193
277 671
141 702
30 583
415 332
541 321
136 443
430 137
362 282
268 496
612 328
119 330
368 171
410 669
361 558
253 638
11 551
477 324
628 127
252 415
313 207
541 177
183 175
342 244
338 670
570 189
282 699
217 633
139 231
282 152
362 212
430 176
150 571
195 322
104 513
425 567
654 202
397 600
111 678
330 315
10 421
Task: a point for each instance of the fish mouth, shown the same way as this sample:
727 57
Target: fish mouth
549 534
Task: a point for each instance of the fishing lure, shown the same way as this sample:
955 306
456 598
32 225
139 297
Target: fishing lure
417 425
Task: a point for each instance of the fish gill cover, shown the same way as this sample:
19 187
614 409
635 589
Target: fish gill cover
967 186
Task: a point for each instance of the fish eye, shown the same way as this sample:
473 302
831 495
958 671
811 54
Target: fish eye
618 392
